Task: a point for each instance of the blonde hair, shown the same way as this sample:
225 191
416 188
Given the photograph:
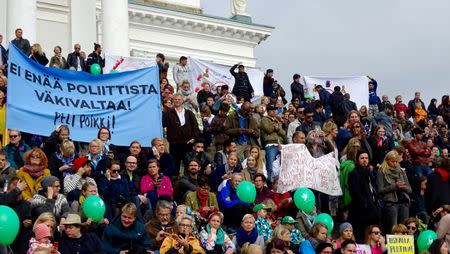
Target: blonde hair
43 218
350 150
99 142
280 230
328 127
399 228
248 248
385 168
67 147
38 47
260 163
129 208
248 216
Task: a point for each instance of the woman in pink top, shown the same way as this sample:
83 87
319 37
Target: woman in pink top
154 184
374 239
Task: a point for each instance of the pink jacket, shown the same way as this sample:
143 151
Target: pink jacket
165 188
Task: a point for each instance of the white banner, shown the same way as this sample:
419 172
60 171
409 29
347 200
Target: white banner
356 86
299 169
218 75
121 63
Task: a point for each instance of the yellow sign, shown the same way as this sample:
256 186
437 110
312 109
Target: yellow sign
400 244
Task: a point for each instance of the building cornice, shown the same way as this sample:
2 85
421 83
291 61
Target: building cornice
193 24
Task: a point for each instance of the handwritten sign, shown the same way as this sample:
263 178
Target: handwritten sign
400 244
363 249
300 169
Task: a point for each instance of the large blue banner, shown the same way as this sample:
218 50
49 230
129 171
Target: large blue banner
40 98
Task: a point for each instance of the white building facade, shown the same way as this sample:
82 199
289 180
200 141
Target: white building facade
133 27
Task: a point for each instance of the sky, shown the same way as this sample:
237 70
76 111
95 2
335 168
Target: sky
403 44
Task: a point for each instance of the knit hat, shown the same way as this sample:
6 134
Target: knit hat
80 162
345 226
48 181
41 231
288 220
261 206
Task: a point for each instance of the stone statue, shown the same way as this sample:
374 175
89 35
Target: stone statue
238 7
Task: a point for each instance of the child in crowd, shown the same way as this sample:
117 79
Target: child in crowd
41 238
263 226
296 235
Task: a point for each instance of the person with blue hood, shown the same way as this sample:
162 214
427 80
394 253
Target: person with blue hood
126 234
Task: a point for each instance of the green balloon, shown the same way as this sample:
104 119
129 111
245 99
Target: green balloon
94 208
304 200
425 239
114 71
326 219
96 69
246 192
9 225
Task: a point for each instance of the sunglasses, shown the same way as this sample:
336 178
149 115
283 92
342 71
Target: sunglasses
376 232
35 156
411 228
115 171
13 136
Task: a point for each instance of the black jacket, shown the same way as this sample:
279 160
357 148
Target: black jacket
4 55
86 244
40 59
362 186
437 193
177 133
242 85
72 61
336 98
92 59
297 91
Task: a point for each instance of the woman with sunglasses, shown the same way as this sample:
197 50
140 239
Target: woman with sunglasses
16 149
114 190
374 239
183 241
34 170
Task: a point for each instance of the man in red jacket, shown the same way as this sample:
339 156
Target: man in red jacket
420 154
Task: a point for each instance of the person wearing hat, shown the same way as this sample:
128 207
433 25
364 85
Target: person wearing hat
213 238
296 235
420 153
345 233
73 183
74 241
272 135
41 238
48 199
262 225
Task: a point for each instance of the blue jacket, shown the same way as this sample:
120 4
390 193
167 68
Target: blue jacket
228 197
4 55
114 191
15 154
306 248
373 97
324 96
116 237
216 177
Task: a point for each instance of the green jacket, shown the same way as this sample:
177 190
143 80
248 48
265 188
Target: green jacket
268 133
345 169
232 126
194 204
387 189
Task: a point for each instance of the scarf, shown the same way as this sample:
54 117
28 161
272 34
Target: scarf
202 198
445 175
94 161
380 141
65 160
242 236
34 171
220 235
252 171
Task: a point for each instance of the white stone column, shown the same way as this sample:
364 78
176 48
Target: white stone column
115 36
21 14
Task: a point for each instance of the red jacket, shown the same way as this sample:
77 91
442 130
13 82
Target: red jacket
420 154
401 107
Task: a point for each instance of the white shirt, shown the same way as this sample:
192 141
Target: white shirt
181 117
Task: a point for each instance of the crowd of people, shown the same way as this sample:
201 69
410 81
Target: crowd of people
180 195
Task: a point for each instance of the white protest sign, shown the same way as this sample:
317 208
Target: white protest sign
356 86
363 249
122 63
300 169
